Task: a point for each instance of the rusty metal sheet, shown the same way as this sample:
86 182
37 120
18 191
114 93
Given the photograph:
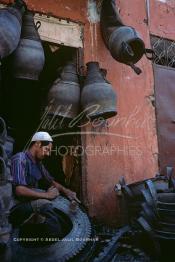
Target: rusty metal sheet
165 110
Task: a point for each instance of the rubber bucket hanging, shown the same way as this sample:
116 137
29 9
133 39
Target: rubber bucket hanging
28 59
64 95
3 172
124 42
3 153
98 98
10 29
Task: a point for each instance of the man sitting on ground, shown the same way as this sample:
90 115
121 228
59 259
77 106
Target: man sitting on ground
34 188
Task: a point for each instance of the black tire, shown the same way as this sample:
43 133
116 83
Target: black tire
62 250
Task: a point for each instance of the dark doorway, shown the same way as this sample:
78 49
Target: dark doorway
23 104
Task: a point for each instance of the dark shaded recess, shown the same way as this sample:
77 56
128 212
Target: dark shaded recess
54 166
20 106
54 162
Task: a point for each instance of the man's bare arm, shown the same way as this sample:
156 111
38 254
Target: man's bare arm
24 191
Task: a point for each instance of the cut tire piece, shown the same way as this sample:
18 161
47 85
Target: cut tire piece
109 251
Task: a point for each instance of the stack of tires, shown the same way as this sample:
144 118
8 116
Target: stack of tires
6 200
157 219
151 209
132 197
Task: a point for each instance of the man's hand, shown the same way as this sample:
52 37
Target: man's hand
67 192
52 193
72 195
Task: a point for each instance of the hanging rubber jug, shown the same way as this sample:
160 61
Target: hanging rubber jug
28 59
64 95
8 146
3 131
98 98
10 27
3 153
3 172
124 42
